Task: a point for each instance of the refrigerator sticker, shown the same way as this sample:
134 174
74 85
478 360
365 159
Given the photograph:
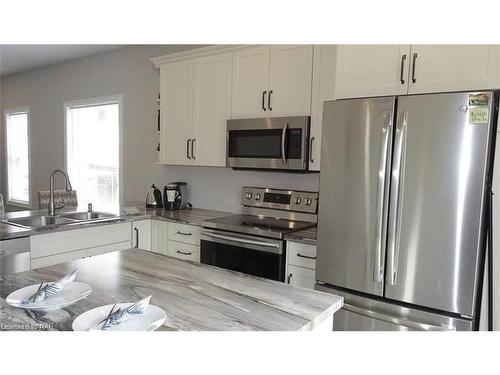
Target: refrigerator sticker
478 115
480 100
478 108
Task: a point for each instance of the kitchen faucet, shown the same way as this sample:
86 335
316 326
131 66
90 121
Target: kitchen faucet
52 206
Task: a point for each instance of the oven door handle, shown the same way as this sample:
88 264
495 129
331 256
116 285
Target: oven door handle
241 240
283 139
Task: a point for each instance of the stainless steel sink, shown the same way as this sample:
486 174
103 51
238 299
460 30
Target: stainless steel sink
40 221
86 215
67 218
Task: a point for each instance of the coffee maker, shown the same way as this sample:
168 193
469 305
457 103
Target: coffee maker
175 196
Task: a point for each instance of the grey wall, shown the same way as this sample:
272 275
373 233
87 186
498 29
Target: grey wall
126 71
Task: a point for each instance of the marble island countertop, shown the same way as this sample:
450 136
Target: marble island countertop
194 296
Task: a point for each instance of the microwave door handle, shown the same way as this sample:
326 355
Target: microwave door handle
283 139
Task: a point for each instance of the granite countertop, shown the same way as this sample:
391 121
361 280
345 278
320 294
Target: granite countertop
193 216
308 235
195 296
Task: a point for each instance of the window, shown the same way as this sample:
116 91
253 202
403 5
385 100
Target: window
93 151
17 155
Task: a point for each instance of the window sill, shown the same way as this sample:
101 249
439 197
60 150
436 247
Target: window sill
18 204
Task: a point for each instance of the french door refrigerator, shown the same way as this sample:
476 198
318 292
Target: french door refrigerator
402 219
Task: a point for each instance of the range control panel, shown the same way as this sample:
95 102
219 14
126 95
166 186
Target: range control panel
289 200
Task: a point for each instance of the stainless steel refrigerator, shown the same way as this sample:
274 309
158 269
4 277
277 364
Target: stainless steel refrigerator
403 196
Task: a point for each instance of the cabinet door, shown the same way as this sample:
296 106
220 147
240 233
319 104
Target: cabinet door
371 70
290 80
323 89
441 68
212 108
141 234
250 82
176 127
159 237
303 277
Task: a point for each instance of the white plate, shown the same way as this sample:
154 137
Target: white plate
73 292
151 319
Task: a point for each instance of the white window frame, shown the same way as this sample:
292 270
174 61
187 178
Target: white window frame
100 100
14 202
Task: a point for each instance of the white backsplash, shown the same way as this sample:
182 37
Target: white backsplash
220 188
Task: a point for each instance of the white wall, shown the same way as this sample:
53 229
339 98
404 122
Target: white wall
126 71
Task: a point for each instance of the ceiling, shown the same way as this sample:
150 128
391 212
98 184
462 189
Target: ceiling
15 58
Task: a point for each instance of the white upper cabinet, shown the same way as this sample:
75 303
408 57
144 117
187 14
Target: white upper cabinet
212 108
371 70
195 105
290 77
250 82
323 89
272 81
437 68
380 70
176 127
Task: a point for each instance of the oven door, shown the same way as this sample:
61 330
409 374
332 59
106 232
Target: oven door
268 143
252 255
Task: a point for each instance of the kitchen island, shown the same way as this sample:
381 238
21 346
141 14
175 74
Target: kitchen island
196 297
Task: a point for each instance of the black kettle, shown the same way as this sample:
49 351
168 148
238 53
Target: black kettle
153 198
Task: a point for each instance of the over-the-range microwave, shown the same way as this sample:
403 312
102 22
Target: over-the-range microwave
280 143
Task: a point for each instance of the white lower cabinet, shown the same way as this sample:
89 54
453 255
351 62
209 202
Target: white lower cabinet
52 248
300 264
303 277
57 259
176 240
159 237
141 234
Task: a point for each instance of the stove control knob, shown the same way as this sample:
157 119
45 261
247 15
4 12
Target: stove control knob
308 201
257 196
298 200
248 195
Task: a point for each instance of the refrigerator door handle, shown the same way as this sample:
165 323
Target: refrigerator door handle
378 269
420 326
396 204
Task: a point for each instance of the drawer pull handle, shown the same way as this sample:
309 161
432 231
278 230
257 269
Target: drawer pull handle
184 233
289 277
183 253
305 256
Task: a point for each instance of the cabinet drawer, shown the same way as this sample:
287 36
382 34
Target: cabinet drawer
302 255
57 259
303 277
183 251
184 233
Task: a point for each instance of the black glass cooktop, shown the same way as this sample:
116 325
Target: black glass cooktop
257 225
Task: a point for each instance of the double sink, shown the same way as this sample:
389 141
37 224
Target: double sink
67 218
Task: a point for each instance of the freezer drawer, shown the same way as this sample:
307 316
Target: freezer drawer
366 314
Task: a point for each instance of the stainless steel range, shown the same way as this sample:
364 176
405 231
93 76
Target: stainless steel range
253 241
